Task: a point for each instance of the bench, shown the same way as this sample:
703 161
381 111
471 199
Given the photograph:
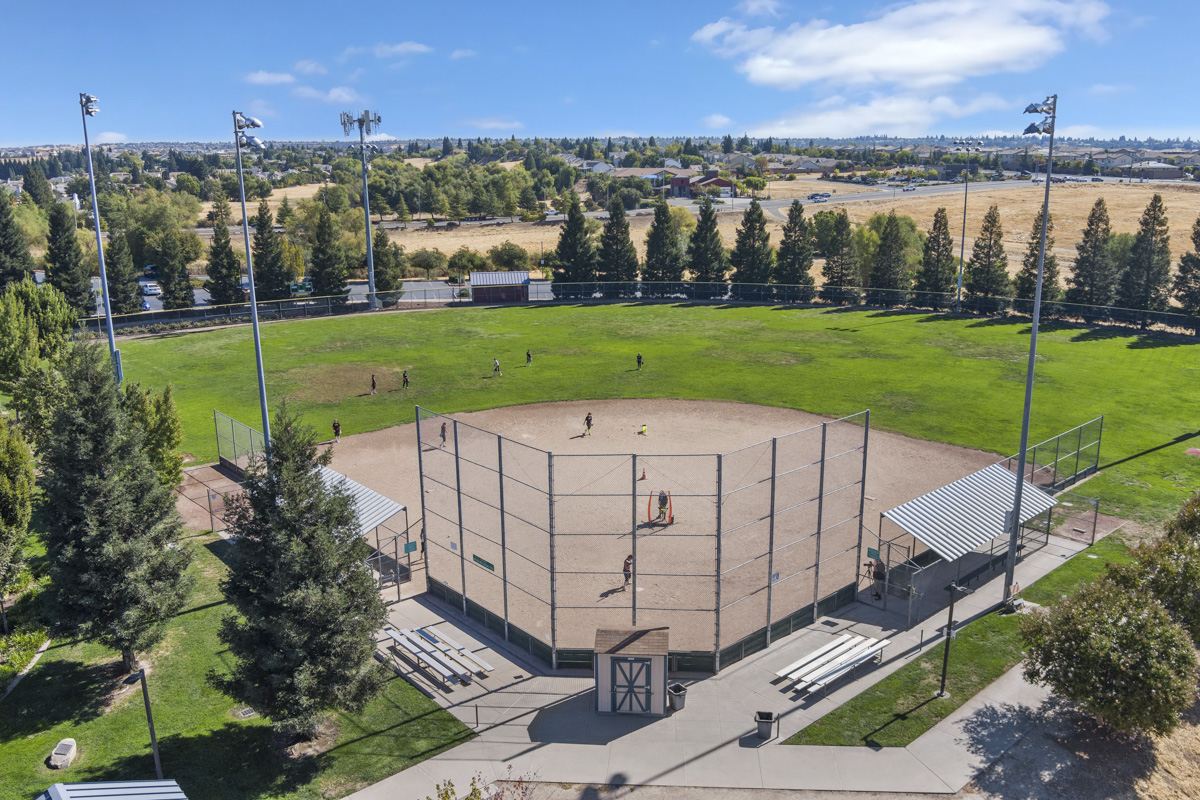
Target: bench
486 667
813 656
420 656
817 672
873 651
449 652
455 669
833 656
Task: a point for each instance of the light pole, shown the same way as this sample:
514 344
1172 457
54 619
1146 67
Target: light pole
962 251
365 122
954 590
87 105
241 123
150 721
1048 107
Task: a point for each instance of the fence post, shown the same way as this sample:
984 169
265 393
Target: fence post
503 540
771 538
717 615
633 527
1054 477
1099 438
820 512
862 496
462 556
553 604
421 485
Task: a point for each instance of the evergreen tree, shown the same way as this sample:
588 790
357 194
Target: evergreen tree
16 505
447 147
402 214
936 276
328 270
793 266
65 268
112 523
986 273
1145 283
271 277
162 430
15 261
1187 280
307 607
172 273
617 259
889 275
1026 280
124 291
1093 279
37 188
664 254
575 255
840 274
753 258
529 202
285 212
727 144
390 267
707 257
224 282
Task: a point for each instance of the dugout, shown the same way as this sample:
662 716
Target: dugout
500 287
631 671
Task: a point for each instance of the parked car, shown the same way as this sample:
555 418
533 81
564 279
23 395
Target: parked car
814 195
909 189
151 289
145 305
826 195
821 199
1097 180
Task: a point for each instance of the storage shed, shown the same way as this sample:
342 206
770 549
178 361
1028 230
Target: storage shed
631 671
500 287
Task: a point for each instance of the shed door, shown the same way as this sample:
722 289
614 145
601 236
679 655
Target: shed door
631 685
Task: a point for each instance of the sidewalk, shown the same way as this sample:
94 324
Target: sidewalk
543 726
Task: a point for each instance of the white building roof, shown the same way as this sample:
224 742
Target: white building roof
514 278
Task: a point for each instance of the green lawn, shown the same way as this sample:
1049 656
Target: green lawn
204 746
902 706
929 376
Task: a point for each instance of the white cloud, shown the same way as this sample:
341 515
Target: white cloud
715 121
263 78
351 51
338 94
307 67
903 115
354 76
381 137
261 108
1107 89
768 8
401 49
918 45
111 137
494 124
463 54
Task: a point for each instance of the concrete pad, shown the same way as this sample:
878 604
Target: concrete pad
798 767
664 764
726 766
574 763
889 769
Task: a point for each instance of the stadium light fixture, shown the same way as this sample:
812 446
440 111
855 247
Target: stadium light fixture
87 105
365 122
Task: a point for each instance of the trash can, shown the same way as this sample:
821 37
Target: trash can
676 696
766 723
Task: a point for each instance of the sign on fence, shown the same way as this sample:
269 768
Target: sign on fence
485 564
872 554
410 547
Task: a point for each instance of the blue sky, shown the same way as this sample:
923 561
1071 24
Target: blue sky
173 71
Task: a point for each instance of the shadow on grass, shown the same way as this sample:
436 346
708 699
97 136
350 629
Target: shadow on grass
1180 439
225 551
869 738
57 692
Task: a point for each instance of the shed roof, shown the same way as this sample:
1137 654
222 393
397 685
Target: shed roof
372 508
514 278
115 790
955 519
631 641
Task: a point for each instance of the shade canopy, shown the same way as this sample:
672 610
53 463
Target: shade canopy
372 508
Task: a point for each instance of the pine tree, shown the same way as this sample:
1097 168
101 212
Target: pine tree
1093 279
936 277
1145 283
15 261
271 278
890 279
307 607
37 188
123 286
1187 280
793 266
16 505
328 270
402 214
224 282
1026 280
65 268
616 258
529 202
112 523
575 255
840 274
753 258
162 430
177 289
390 266
707 258
664 254
986 273
285 212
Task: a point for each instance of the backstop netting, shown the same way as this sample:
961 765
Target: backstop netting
728 550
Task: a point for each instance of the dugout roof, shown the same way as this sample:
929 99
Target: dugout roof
955 519
372 508
513 278
115 790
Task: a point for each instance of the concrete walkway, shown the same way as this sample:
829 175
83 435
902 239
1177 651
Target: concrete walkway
542 726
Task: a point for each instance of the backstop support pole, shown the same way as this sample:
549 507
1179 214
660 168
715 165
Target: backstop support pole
717 612
862 495
503 540
553 599
633 537
820 514
462 559
771 538
421 478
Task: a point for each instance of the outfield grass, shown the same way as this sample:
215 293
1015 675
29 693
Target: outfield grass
904 705
213 754
929 376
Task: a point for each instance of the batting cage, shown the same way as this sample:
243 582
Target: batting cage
729 551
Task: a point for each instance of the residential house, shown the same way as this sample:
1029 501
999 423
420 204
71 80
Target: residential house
698 185
1114 159
672 162
1155 169
742 161
120 177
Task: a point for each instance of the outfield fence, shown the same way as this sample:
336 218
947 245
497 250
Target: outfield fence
730 551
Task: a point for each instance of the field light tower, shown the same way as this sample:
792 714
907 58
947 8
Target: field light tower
1049 108
968 146
241 123
366 122
87 104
